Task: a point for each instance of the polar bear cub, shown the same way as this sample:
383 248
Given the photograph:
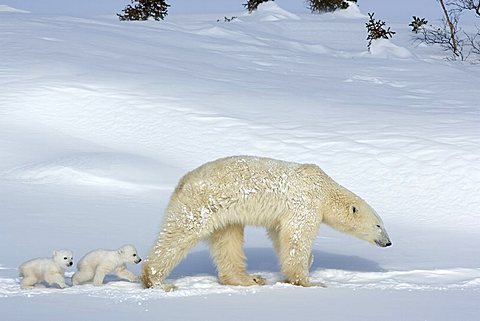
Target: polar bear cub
50 270
96 264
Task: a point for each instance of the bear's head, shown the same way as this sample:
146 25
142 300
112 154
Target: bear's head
63 258
129 254
350 214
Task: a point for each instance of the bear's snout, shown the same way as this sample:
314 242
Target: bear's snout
383 243
138 260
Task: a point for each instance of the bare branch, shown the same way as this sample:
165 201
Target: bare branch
443 37
453 40
474 42
461 5
450 36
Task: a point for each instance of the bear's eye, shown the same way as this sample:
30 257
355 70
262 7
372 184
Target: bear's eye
354 210
134 254
379 226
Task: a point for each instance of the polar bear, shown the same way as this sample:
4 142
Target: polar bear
96 264
50 270
215 201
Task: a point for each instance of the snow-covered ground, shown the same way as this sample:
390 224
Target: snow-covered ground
100 118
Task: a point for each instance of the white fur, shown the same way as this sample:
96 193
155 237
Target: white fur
216 200
50 270
98 263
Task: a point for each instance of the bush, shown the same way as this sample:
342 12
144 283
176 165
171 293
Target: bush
376 30
319 6
449 35
417 24
252 5
144 9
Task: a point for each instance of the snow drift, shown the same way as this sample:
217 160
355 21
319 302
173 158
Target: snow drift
99 119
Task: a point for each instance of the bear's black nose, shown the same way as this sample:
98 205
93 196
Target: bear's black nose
70 264
388 244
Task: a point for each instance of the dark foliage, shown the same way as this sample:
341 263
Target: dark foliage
252 5
145 9
376 30
417 24
319 6
227 19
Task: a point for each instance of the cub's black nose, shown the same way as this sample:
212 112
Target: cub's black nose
388 244
70 264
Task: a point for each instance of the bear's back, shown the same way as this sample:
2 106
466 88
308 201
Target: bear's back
38 267
238 170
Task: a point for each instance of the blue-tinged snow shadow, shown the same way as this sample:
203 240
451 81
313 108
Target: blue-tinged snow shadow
265 259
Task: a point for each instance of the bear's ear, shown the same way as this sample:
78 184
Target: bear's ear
120 251
54 253
353 209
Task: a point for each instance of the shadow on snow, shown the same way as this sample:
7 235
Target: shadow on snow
265 259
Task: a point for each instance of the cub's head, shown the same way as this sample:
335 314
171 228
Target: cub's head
350 214
129 254
63 258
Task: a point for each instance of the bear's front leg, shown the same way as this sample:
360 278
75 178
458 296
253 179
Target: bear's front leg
295 240
176 239
56 278
124 273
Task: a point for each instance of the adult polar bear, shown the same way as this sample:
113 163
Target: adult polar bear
216 201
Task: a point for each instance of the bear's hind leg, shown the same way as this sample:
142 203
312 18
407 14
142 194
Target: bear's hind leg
226 247
274 237
28 282
84 274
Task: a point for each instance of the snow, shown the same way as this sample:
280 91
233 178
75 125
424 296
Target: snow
384 48
100 118
353 12
5 8
269 11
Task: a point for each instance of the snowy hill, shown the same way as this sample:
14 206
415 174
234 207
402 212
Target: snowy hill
100 118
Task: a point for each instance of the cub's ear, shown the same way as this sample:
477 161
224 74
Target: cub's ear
54 253
120 251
